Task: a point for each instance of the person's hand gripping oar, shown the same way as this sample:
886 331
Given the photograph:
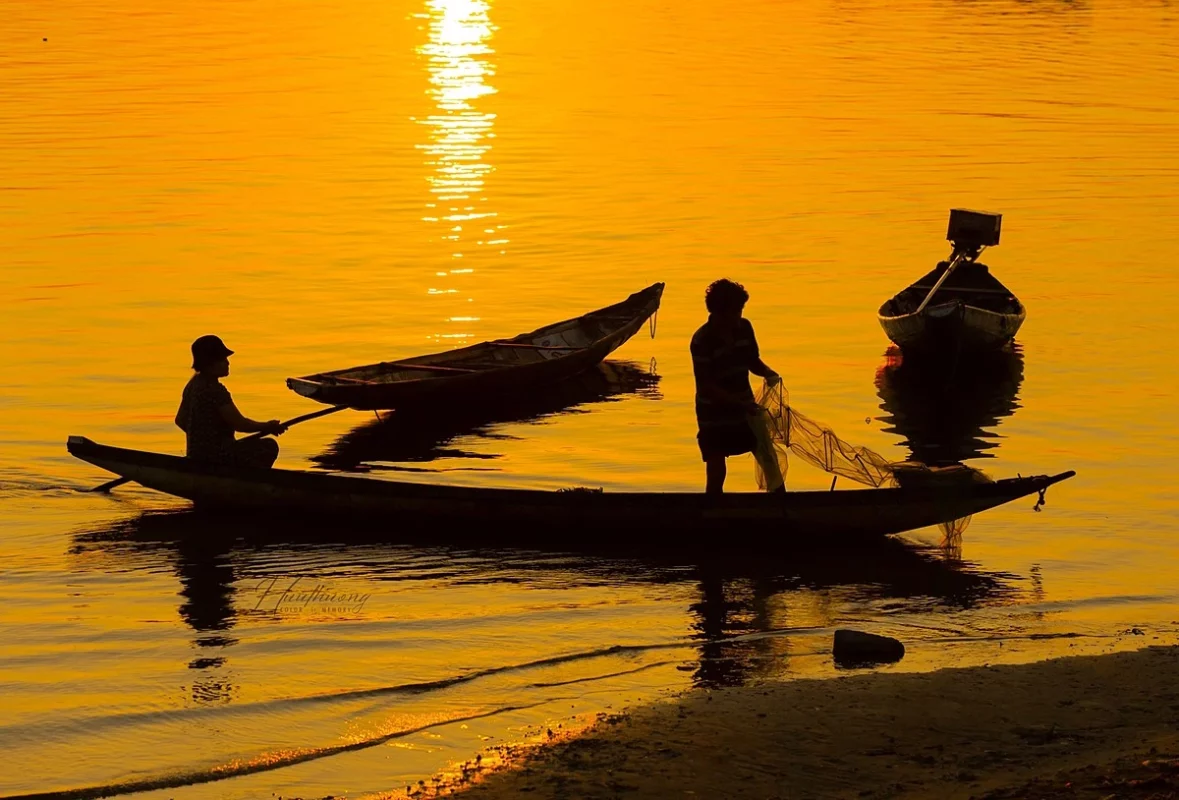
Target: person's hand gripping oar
106 487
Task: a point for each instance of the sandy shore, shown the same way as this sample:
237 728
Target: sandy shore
1070 727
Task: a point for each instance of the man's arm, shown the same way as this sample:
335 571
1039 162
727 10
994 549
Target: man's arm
761 370
243 424
759 367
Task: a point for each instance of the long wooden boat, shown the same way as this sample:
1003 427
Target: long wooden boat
971 311
545 355
765 520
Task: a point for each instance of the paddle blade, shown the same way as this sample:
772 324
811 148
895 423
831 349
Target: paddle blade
106 487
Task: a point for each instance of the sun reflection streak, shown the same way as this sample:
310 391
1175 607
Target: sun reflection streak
457 61
457 56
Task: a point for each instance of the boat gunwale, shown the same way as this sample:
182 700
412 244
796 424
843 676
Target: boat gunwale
1020 315
1021 310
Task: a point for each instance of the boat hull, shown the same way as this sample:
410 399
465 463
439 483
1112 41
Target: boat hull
500 368
786 519
952 327
971 311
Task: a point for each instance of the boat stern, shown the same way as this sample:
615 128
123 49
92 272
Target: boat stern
78 444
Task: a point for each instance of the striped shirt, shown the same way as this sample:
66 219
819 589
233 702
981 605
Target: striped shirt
210 438
726 365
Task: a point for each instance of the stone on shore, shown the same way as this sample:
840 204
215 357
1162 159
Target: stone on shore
859 649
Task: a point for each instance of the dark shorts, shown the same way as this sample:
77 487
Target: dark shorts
262 452
733 439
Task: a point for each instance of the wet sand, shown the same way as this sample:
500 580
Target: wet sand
1069 727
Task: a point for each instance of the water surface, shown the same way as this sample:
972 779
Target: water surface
333 184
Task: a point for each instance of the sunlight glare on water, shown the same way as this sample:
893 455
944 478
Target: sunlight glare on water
325 185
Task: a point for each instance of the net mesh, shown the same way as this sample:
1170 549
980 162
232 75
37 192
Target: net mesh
781 430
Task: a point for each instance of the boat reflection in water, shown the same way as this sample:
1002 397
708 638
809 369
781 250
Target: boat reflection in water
748 616
949 416
745 614
423 435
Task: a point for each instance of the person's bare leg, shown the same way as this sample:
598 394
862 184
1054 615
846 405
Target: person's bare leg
715 471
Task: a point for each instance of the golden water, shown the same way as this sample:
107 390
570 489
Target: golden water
332 184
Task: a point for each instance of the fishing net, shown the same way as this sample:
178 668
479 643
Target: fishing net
780 430
783 429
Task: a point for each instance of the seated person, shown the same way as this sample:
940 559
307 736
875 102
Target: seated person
209 418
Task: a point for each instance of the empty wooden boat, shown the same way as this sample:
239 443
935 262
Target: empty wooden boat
552 353
793 518
971 311
959 305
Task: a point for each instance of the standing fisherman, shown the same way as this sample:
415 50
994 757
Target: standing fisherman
209 418
724 352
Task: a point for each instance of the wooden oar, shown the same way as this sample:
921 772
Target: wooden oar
106 487
966 253
954 262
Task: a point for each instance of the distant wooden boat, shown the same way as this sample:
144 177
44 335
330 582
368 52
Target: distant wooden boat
971 311
552 353
749 521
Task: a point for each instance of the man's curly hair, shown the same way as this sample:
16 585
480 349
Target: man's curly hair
725 295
